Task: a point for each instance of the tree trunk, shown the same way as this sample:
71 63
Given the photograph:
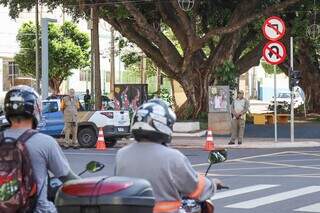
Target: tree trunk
195 86
54 84
310 82
312 92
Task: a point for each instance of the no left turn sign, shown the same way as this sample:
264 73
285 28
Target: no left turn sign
274 52
274 28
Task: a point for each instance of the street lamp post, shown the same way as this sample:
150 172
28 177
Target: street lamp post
45 58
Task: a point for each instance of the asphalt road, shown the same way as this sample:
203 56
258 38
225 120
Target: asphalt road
260 180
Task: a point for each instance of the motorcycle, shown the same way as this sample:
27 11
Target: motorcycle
117 194
194 206
101 194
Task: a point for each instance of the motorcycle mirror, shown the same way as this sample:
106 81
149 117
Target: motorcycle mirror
217 156
94 166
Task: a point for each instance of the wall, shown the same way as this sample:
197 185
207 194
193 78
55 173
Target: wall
257 74
179 93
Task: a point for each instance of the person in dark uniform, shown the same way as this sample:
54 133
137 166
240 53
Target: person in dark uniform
87 101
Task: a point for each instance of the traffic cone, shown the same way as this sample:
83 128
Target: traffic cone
101 145
209 145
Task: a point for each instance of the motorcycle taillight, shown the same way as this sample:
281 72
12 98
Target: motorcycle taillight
94 188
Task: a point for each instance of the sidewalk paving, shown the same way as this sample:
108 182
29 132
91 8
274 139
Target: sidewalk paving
249 143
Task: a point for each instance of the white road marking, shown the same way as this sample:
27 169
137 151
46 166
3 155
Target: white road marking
281 164
275 198
311 208
240 191
264 175
243 158
249 168
89 153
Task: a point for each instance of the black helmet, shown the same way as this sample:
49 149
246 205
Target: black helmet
23 101
153 121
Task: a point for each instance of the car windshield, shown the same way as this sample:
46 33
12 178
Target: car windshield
50 107
284 95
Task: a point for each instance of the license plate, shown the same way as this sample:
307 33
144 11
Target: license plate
120 129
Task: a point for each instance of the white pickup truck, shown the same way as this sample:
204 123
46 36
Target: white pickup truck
115 124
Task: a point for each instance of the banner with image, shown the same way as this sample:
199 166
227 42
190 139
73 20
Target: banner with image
219 99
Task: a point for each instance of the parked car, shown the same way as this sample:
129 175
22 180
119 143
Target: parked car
284 100
115 124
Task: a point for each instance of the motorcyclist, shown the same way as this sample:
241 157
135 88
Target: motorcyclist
168 170
22 108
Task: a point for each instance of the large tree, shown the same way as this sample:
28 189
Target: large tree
68 49
204 38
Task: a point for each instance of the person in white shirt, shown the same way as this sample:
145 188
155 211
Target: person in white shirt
239 108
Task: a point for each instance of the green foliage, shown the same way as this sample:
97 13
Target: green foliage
130 59
165 94
269 68
227 75
68 49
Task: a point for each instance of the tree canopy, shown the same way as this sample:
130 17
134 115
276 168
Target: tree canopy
68 49
193 46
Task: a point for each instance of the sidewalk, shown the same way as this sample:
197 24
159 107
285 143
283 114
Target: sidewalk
222 142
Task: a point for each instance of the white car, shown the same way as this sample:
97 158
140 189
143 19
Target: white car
284 98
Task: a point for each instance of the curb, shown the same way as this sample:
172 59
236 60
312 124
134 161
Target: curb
249 145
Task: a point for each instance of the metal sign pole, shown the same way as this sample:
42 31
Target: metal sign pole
275 105
292 93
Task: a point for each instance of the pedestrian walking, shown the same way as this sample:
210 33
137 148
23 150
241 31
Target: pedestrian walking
87 101
239 108
70 105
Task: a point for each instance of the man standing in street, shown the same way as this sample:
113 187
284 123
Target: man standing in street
87 101
239 108
69 106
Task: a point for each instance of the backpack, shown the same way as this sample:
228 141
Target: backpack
18 188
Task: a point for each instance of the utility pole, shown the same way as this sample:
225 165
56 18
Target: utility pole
37 48
90 26
45 56
96 56
158 82
143 68
112 64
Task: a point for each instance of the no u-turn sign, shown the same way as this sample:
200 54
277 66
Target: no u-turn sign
274 52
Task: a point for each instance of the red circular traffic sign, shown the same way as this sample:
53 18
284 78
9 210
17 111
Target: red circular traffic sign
274 52
274 28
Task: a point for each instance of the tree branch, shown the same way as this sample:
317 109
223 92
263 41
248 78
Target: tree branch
185 22
167 49
243 22
127 29
168 16
250 59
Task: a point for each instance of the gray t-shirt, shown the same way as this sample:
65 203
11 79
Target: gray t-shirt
168 170
45 154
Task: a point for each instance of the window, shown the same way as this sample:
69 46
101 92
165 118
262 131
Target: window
13 69
49 107
85 75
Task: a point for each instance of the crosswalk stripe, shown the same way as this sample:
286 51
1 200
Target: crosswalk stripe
243 190
275 198
311 208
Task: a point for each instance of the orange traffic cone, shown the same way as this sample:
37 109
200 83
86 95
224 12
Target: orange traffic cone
209 145
101 145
